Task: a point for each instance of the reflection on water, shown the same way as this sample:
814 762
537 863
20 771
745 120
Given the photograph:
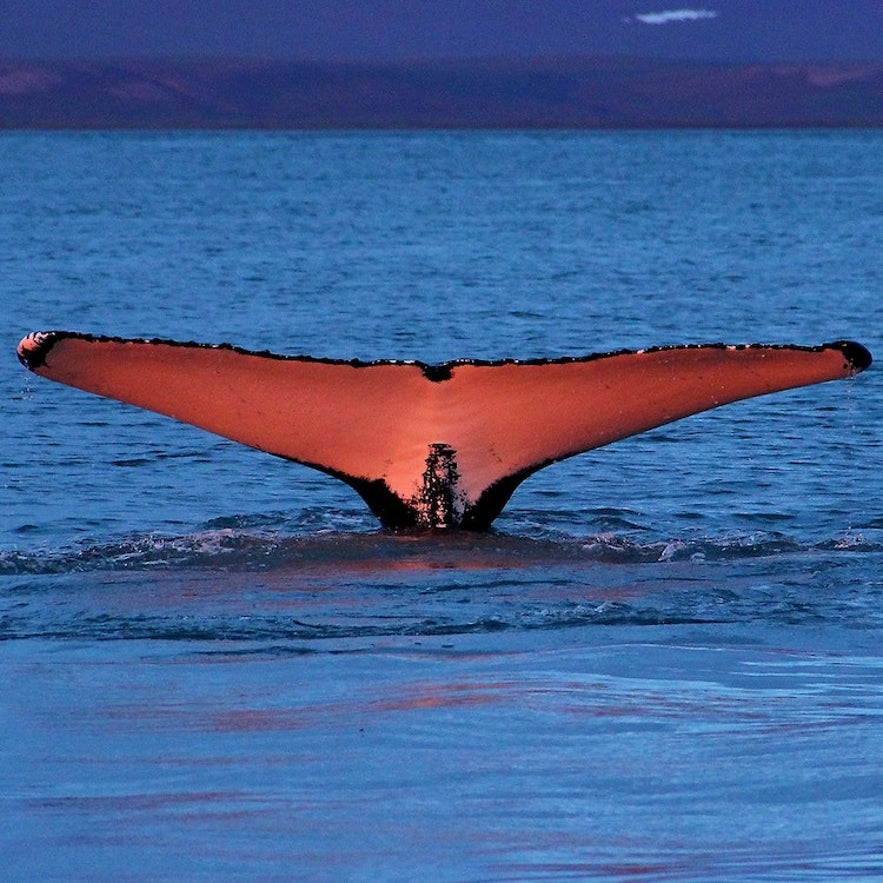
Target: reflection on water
502 759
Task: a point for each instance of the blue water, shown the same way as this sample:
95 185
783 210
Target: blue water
665 662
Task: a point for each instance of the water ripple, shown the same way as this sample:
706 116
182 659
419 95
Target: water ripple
243 546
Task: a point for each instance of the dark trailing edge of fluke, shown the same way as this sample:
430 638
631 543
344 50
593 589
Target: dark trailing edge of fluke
33 355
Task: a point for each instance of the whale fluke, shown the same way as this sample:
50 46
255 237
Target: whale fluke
429 445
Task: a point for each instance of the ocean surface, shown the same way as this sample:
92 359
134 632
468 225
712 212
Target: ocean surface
664 663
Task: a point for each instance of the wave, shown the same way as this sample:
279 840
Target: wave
256 589
246 548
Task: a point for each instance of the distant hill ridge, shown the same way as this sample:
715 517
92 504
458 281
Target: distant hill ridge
599 92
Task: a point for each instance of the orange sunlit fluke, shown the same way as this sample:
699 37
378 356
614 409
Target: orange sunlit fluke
429 445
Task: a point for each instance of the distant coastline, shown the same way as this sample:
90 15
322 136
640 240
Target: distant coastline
543 93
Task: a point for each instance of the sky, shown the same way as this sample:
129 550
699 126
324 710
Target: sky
716 30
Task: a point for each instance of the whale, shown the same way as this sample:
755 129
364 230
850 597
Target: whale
434 446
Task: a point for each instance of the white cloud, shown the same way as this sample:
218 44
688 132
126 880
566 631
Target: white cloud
674 15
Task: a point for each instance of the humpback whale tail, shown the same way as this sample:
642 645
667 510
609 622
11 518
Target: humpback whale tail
429 445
